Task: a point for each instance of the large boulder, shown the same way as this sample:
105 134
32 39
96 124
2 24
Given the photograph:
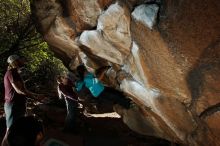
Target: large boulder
165 55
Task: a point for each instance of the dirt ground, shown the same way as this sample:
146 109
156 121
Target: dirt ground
92 131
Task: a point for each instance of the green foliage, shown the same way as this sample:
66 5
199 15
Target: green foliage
15 25
17 30
42 68
38 55
43 79
19 36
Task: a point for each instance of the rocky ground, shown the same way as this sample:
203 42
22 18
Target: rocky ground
96 130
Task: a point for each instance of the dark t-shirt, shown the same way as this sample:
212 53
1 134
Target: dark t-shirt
67 90
11 95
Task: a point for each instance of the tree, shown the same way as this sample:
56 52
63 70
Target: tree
19 36
17 27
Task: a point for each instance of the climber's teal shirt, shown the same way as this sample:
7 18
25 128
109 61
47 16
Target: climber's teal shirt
92 83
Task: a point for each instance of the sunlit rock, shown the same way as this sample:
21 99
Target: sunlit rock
163 107
112 38
115 25
100 47
46 12
146 14
144 122
134 67
86 10
159 66
59 36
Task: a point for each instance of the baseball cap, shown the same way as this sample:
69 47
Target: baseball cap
12 58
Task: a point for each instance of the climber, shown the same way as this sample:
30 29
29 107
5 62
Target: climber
65 90
97 89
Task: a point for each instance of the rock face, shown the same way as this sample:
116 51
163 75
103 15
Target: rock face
165 55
